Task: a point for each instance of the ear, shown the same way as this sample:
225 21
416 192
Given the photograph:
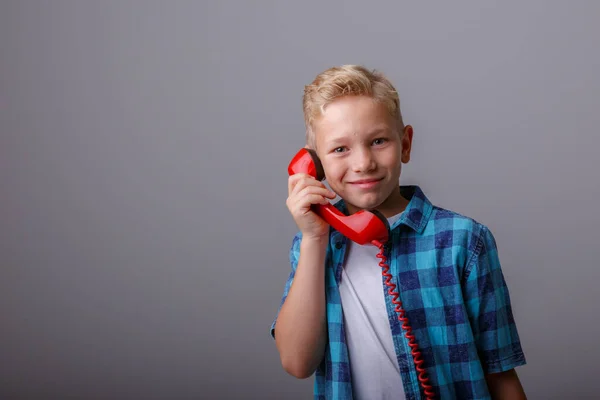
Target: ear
407 136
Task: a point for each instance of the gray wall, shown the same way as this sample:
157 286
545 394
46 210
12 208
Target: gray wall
143 229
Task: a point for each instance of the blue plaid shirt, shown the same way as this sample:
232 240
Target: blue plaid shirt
448 274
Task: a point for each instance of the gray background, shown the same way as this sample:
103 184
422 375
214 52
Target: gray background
143 229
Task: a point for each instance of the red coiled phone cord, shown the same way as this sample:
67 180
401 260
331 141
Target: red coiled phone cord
423 378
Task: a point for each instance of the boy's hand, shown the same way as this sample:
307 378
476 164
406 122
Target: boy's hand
304 191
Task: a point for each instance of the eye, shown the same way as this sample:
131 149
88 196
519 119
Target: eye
338 149
379 141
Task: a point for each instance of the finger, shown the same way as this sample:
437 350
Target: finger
324 190
294 179
330 193
303 183
315 190
303 206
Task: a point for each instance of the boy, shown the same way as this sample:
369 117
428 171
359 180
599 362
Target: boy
336 318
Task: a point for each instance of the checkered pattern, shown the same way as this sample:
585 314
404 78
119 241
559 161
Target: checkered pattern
451 285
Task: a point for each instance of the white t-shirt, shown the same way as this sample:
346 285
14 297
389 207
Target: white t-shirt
373 364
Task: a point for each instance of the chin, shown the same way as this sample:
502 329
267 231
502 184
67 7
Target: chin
368 202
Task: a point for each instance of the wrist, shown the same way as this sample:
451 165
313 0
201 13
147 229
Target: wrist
314 241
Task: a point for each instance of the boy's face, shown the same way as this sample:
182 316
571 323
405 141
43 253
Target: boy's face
362 151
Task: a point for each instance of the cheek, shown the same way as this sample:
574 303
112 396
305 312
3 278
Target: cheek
394 160
396 168
334 174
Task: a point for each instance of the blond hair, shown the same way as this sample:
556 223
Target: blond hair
347 80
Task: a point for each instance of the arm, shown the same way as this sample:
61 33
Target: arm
505 385
490 313
301 325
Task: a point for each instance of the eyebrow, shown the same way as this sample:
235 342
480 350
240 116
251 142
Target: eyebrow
335 141
341 139
377 131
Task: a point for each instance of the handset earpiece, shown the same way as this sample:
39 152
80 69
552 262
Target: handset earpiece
307 161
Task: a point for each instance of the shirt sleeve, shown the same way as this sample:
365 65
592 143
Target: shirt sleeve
488 303
294 256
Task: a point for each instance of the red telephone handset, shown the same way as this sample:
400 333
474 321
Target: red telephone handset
362 227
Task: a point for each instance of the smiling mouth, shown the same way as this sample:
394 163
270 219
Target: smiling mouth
366 181
366 184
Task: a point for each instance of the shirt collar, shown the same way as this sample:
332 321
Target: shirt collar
415 215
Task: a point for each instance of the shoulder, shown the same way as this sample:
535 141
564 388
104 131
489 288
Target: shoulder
461 226
460 231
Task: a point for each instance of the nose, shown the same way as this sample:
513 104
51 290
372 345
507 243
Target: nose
363 161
